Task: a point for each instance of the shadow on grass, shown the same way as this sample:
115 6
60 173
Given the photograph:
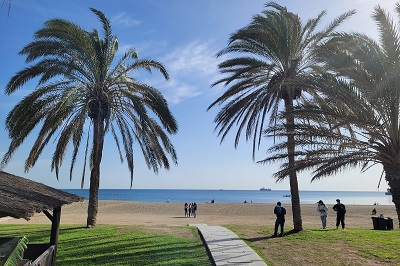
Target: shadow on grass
261 238
107 246
74 228
255 239
291 232
111 245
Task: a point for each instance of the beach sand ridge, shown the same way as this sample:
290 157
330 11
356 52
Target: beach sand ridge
172 214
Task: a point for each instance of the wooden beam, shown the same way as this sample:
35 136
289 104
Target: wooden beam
55 229
48 215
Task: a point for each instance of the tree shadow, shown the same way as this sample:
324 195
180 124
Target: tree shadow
255 239
74 228
291 232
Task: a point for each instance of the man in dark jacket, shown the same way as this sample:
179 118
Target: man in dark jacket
280 218
340 210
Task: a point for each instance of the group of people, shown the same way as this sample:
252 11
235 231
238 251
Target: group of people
190 209
340 210
322 209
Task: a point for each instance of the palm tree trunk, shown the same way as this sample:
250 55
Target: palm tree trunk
393 177
97 153
294 186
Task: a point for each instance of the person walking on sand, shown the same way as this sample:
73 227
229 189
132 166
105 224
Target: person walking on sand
194 209
280 218
189 209
323 212
186 209
340 210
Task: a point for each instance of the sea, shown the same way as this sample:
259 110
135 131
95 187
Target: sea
238 196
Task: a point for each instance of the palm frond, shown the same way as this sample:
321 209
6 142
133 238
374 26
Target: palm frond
17 252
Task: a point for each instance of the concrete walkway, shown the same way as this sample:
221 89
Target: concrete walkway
226 248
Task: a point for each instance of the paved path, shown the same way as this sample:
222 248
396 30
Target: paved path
226 248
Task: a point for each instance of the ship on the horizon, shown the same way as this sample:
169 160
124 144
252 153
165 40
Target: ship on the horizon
388 192
265 189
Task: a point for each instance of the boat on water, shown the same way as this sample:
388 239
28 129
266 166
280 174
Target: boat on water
265 189
388 192
287 196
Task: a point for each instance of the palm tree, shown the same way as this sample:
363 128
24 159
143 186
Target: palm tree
362 105
279 53
81 86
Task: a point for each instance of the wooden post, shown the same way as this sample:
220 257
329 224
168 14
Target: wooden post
55 229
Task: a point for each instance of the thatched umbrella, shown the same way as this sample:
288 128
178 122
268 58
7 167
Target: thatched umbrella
22 198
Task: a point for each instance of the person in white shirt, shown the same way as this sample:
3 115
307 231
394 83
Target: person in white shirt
323 212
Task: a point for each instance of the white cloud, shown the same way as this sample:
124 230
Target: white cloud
193 58
192 68
177 92
124 19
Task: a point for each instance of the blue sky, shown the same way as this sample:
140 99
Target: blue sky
184 36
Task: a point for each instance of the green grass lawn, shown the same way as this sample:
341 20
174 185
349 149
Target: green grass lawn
162 245
324 247
119 245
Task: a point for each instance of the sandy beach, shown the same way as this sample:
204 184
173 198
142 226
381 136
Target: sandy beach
172 214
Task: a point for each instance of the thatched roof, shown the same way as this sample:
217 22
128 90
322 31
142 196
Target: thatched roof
22 198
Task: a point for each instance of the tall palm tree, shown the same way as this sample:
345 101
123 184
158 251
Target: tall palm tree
81 86
279 53
361 104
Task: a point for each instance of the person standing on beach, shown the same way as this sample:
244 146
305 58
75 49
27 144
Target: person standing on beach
323 212
280 218
186 209
340 210
194 209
